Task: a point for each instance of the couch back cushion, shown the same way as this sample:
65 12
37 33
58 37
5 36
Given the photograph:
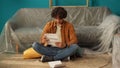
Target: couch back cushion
79 16
87 16
30 17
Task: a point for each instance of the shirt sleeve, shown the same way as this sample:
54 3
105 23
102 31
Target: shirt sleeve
45 30
72 35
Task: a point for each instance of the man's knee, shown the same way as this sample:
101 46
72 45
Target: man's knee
74 46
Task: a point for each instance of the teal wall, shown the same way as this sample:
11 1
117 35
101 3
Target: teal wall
70 2
112 4
9 7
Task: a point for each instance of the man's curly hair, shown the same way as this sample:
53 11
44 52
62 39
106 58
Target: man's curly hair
60 12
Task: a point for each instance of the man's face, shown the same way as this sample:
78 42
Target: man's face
58 20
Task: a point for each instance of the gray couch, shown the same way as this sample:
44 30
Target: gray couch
26 25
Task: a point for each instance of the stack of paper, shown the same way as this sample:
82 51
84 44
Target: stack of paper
55 64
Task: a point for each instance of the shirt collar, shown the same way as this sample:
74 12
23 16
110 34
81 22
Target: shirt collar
55 23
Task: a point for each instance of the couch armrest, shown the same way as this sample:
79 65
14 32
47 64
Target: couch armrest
116 51
10 25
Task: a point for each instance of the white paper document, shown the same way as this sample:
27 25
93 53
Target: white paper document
52 38
55 64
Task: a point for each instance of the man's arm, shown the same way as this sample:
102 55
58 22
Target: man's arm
43 40
72 35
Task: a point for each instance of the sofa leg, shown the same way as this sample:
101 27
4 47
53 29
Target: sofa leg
17 48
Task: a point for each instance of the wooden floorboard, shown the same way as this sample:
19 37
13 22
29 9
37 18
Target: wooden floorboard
17 61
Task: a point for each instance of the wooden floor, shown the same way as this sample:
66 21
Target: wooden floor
16 61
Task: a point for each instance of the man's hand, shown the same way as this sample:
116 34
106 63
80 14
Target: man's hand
44 40
58 44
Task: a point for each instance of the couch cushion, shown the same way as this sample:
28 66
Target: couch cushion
88 35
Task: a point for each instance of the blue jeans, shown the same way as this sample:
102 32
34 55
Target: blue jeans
57 53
